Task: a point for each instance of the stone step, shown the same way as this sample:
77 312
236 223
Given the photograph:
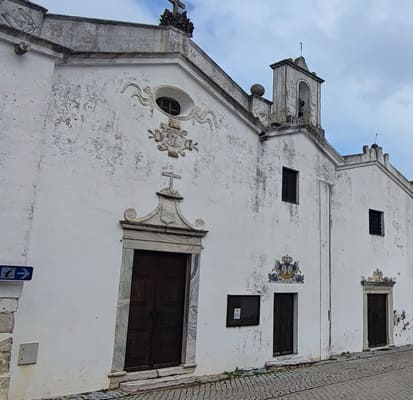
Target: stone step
158 383
117 378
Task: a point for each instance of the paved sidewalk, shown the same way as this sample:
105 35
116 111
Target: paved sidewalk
381 376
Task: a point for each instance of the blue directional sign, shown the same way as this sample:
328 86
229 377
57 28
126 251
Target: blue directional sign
11 273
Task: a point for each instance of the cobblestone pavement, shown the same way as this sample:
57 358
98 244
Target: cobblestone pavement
382 376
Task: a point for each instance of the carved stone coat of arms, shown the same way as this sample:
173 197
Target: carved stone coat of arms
173 139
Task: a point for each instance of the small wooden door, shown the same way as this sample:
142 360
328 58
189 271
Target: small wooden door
156 311
377 320
283 324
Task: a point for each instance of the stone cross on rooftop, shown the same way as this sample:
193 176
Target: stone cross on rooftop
171 177
177 5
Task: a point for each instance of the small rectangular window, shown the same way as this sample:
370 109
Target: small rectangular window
290 186
376 222
243 310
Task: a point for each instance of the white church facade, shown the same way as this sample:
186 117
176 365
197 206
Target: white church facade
178 226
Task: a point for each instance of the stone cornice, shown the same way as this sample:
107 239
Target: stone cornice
38 45
100 58
292 64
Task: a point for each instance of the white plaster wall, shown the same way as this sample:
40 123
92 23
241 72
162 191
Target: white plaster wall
241 263
356 253
24 96
23 106
98 161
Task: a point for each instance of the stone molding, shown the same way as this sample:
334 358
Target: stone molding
163 230
377 283
166 217
378 279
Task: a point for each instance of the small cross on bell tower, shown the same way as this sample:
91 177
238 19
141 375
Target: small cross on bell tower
177 18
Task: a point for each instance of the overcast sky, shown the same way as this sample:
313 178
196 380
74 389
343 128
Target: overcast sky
363 49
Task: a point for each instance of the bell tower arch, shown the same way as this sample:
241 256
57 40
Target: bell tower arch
296 94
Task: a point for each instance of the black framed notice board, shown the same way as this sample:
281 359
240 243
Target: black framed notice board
243 310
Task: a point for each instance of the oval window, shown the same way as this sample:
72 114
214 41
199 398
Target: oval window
169 105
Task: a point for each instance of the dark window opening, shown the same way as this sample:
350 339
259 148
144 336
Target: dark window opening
376 222
169 105
290 186
243 310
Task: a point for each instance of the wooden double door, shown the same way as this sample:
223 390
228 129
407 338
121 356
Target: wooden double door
377 320
156 312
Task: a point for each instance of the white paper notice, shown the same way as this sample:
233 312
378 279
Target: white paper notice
237 313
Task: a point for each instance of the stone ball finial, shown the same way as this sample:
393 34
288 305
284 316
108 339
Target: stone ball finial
257 90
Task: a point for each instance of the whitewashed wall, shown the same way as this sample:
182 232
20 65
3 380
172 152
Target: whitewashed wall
356 253
270 229
97 161
24 98
75 154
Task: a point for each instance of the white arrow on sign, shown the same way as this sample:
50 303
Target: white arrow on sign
24 274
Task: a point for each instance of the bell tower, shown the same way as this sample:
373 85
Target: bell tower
296 94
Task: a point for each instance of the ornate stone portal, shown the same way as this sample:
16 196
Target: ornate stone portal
377 283
286 271
163 230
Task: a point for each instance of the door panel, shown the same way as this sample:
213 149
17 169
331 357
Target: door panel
141 312
167 347
284 324
377 320
156 311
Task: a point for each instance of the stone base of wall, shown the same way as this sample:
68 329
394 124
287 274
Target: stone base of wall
8 306
5 355
4 387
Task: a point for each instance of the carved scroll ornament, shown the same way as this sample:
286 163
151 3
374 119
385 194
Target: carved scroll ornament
378 278
21 19
146 97
167 213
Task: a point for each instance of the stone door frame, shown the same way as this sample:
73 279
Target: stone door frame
386 288
140 236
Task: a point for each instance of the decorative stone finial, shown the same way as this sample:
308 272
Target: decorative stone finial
177 18
257 90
